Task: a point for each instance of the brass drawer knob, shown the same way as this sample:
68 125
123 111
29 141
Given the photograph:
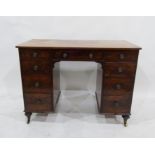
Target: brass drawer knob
65 55
120 69
35 67
36 84
118 86
122 56
90 55
34 54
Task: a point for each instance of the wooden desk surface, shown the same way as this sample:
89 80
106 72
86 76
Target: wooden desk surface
106 44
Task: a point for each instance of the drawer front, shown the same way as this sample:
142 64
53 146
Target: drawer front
120 56
38 102
35 67
36 84
116 104
78 55
34 54
117 86
120 69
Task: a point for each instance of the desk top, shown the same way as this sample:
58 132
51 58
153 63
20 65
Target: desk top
106 44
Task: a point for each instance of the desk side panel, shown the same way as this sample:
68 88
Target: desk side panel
56 82
36 100
99 85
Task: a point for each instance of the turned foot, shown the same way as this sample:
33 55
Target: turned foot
28 114
125 117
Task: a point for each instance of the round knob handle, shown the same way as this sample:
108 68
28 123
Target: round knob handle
116 103
120 69
90 55
65 55
37 84
35 67
118 86
35 54
122 56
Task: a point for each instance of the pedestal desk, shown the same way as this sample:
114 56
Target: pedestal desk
40 73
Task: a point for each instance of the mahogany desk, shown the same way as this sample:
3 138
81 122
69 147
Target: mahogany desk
40 72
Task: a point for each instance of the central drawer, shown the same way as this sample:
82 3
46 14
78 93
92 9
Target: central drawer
78 54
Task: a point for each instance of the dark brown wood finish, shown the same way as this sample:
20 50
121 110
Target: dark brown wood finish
40 72
124 70
56 83
99 80
37 102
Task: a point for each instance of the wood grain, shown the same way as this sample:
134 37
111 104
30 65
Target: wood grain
45 43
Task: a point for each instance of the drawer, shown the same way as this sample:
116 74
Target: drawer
119 69
34 54
116 104
78 54
36 84
38 102
120 55
117 86
35 67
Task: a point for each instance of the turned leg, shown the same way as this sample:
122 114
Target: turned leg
28 114
125 117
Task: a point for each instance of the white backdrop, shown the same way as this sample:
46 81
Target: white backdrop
139 30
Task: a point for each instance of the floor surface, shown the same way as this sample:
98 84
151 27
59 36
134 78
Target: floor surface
76 116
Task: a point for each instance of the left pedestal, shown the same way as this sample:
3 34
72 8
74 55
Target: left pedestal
38 74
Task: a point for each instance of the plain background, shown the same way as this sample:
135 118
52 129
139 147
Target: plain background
77 112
